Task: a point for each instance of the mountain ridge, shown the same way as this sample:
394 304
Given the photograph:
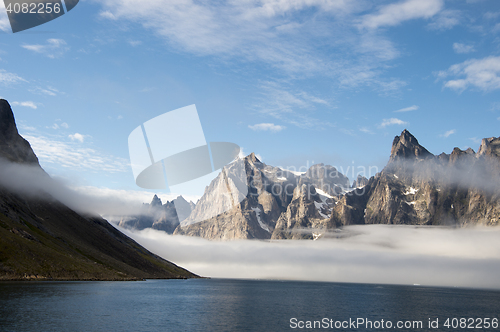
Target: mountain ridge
42 239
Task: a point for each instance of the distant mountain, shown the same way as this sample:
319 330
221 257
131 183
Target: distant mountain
163 217
277 204
415 188
418 188
41 238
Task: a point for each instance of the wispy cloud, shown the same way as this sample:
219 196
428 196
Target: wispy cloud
392 121
135 43
49 91
448 133
10 78
77 137
483 74
463 48
396 13
407 109
29 104
475 140
54 48
266 127
4 19
365 130
75 156
445 20
295 107
290 37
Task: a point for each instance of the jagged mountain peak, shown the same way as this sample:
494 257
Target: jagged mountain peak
12 146
490 146
253 158
406 146
156 201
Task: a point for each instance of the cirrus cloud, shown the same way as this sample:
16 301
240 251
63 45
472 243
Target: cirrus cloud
392 121
266 127
29 104
407 109
54 48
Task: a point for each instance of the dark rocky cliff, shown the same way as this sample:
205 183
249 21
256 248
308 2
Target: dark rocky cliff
41 238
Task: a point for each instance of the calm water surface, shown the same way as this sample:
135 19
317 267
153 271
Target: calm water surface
231 305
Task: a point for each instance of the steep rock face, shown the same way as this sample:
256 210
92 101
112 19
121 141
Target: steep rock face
418 188
277 203
240 203
360 182
306 217
407 146
41 238
327 178
12 146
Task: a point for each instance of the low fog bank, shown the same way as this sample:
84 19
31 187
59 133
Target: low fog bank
468 172
465 257
34 182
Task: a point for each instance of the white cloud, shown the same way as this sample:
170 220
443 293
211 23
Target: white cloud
4 19
445 20
72 155
286 35
407 109
475 140
55 126
462 48
292 106
266 127
9 78
49 91
107 15
54 48
483 74
392 121
365 130
491 15
464 257
27 128
29 104
396 13
77 137
448 133
65 125
135 43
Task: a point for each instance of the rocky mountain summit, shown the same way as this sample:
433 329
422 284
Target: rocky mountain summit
419 188
156 215
275 203
252 200
41 238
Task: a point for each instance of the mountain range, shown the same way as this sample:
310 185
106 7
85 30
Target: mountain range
43 239
415 188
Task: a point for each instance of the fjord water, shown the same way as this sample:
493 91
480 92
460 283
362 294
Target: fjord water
228 305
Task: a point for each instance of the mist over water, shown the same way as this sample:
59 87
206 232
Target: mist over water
463 257
34 182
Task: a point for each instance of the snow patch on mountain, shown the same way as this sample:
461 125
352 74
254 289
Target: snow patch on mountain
262 225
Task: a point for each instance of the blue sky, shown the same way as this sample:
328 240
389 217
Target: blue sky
297 82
